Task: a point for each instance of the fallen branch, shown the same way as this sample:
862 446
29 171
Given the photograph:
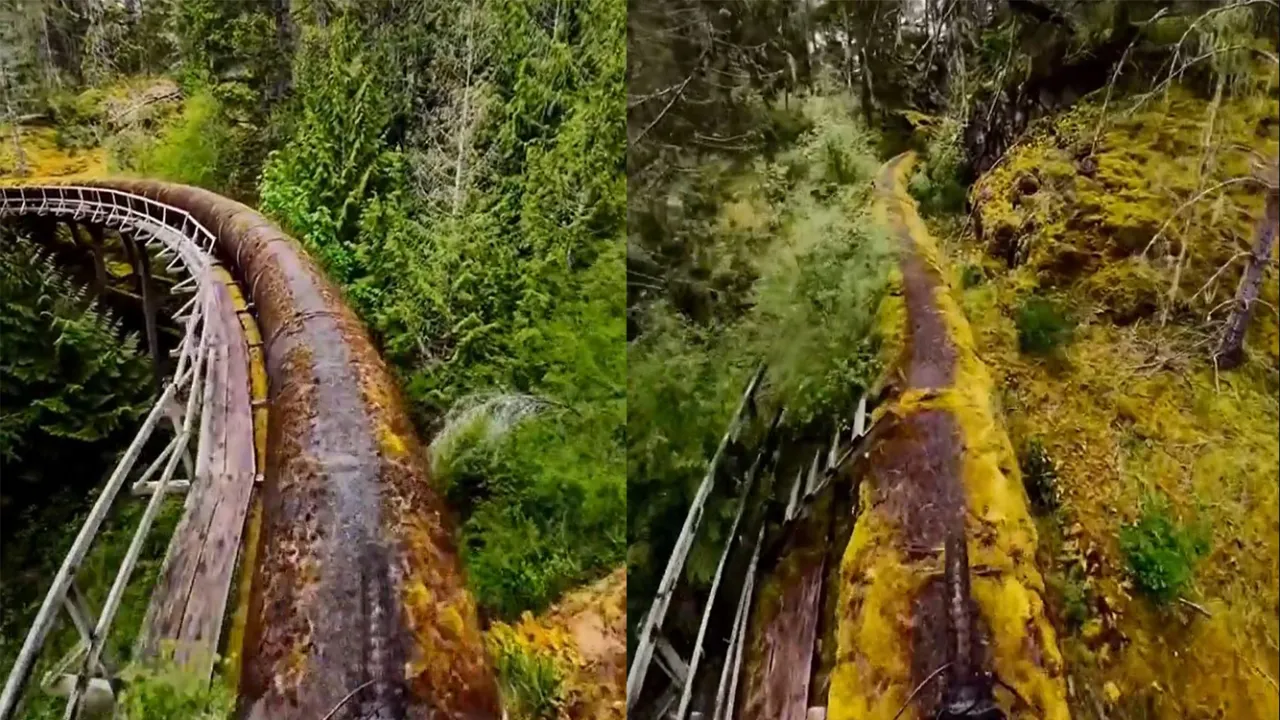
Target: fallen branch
1198 608
1124 57
1216 275
1196 198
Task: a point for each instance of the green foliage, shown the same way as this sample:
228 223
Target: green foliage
194 149
70 380
515 289
34 546
76 117
1039 476
220 40
770 263
533 687
1077 600
972 275
169 692
1043 326
817 320
1161 553
936 183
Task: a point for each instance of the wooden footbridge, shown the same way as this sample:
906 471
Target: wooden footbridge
312 552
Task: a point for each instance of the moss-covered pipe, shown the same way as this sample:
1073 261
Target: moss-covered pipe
358 583
942 469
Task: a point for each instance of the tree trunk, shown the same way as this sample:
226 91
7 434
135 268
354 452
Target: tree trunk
285 34
99 249
95 253
1231 352
141 263
464 131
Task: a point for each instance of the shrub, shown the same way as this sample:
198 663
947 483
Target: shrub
816 319
70 379
191 150
1039 476
1160 552
1043 326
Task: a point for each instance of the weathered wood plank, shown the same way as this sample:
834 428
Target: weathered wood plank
188 606
203 617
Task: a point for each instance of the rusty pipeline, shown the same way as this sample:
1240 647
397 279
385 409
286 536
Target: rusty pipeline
358 598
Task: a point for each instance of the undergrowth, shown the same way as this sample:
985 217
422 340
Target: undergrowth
166 692
532 682
1139 409
1040 476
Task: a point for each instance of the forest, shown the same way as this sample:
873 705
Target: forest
456 167
633 266
1100 181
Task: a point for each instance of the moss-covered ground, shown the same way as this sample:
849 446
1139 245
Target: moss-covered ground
1131 409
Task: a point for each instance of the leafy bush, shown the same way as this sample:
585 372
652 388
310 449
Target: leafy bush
816 319
1039 476
972 275
1043 326
193 149
1160 552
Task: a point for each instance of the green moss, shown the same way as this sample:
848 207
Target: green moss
1126 291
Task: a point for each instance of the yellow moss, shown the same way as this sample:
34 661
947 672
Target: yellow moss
392 444
872 678
1120 424
253 526
45 160
1079 219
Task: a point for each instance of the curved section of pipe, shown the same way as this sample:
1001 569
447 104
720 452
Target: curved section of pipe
358 589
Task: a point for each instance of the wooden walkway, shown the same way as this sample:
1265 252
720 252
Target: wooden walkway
185 619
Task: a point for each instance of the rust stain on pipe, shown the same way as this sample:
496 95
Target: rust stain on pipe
358 580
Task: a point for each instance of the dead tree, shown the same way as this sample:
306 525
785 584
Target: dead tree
1230 352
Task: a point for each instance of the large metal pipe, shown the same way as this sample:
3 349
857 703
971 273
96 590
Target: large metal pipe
358 582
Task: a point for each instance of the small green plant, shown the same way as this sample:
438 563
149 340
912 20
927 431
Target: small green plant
1039 476
972 276
168 692
1075 598
532 685
1043 326
1160 552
